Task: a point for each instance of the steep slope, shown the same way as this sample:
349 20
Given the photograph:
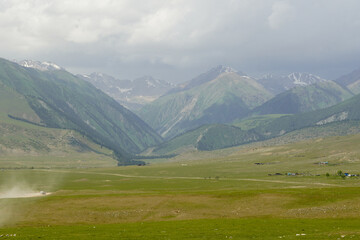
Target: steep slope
340 119
305 99
132 94
29 145
279 84
58 99
207 137
348 110
351 81
204 78
24 145
221 100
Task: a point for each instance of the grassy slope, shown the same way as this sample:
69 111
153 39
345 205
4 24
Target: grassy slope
228 136
207 137
185 200
63 101
255 121
351 81
23 145
348 108
305 99
221 100
16 105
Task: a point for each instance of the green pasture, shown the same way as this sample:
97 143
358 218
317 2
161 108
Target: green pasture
221 195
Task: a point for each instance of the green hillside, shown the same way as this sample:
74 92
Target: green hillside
305 99
255 121
25 145
58 99
341 119
344 111
351 81
221 100
207 137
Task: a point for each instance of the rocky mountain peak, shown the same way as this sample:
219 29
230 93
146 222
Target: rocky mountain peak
42 66
304 79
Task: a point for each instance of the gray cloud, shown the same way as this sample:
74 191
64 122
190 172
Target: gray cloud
177 39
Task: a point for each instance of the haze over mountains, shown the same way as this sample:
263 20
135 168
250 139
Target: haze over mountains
306 98
351 81
132 94
220 108
278 84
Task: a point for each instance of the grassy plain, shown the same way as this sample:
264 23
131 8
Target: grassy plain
220 195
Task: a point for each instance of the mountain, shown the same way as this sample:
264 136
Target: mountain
221 98
205 138
24 145
351 81
42 66
340 119
204 78
58 99
348 110
279 84
132 94
305 99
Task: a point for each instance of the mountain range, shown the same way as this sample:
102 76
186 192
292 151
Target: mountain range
306 98
131 94
217 109
217 96
57 99
350 81
342 118
279 84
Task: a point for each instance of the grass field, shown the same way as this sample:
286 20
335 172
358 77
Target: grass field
221 195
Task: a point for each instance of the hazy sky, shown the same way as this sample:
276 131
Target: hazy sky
177 39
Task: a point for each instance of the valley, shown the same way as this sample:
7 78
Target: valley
227 159
172 120
218 195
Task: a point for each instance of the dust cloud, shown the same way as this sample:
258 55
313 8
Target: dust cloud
16 186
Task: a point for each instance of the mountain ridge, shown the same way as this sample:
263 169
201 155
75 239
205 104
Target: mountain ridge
305 99
61 100
279 84
218 100
133 94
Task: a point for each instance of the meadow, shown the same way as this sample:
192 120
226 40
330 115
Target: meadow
248 192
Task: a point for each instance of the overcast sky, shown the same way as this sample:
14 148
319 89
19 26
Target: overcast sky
178 39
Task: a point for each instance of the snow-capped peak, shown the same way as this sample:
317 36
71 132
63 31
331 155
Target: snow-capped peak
304 78
151 82
225 69
267 76
42 66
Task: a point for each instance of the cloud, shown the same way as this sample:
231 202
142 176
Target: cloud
282 13
176 39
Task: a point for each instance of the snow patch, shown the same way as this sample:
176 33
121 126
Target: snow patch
149 83
124 90
334 118
304 79
42 66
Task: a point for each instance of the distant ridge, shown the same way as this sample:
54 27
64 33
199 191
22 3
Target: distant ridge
133 94
217 96
205 77
305 98
279 84
351 81
42 66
